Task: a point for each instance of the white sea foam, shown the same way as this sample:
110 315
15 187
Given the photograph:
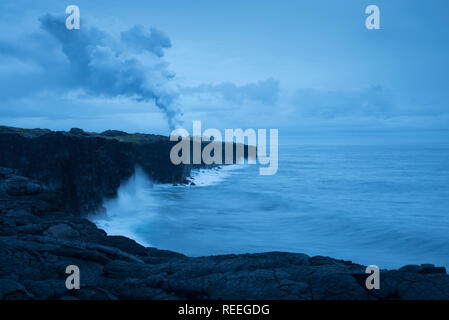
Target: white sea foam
129 209
214 176
137 203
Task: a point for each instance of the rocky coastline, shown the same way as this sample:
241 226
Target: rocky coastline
50 180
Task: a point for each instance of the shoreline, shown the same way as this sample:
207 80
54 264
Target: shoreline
49 179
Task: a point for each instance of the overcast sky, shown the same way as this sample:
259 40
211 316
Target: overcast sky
300 66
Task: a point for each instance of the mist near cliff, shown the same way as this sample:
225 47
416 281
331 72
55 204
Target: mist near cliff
129 209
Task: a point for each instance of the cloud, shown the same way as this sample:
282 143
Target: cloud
375 101
97 64
263 91
141 39
90 74
101 66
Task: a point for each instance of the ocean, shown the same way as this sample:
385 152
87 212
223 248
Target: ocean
384 205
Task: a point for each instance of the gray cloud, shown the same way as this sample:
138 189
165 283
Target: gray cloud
141 39
101 66
92 61
375 101
263 91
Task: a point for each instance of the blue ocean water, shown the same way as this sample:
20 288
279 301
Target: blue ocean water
372 204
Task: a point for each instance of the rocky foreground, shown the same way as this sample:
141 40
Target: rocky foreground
38 240
49 180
